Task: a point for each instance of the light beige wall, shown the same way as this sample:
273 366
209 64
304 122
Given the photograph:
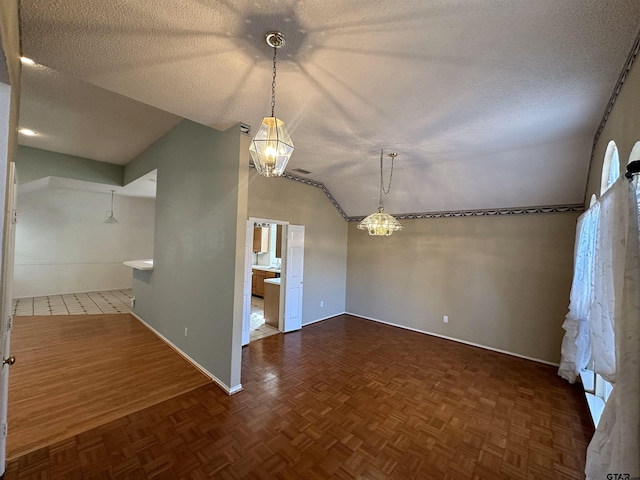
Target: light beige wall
503 281
623 127
325 243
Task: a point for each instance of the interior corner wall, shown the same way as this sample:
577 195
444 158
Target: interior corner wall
192 285
503 281
325 243
623 127
64 246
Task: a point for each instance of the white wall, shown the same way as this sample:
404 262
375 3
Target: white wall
63 246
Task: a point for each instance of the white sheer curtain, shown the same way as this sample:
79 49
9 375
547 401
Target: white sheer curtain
614 324
576 347
615 447
603 324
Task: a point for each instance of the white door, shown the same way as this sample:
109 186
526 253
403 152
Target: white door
10 216
294 269
246 296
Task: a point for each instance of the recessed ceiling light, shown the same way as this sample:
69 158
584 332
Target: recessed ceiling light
27 61
28 132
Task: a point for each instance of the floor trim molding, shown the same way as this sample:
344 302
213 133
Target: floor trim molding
498 350
322 319
216 380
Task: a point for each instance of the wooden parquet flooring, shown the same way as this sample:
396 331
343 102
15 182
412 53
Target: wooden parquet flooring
74 373
345 398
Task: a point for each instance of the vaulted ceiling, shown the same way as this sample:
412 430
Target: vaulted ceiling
489 104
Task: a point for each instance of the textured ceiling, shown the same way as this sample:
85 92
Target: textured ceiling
77 118
488 104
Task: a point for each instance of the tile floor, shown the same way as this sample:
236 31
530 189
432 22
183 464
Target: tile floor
113 301
258 328
116 301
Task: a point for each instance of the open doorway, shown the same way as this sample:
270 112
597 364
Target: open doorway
266 262
274 258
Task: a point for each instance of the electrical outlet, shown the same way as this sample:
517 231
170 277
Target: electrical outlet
133 302
445 319
186 331
322 303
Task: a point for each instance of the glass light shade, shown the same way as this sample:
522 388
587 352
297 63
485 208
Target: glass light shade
380 224
110 217
271 148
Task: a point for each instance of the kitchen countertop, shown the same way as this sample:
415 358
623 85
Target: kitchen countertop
265 268
140 264
275 281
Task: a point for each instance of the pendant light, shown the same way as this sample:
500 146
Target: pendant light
272 147
380 223
110 217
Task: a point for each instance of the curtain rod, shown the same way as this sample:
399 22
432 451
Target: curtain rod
633 168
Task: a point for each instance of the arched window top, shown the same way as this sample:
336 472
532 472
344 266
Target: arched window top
610 167
635 153
593 200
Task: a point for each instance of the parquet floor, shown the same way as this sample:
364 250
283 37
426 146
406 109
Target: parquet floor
74 373
345 398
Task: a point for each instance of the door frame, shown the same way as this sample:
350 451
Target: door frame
6 322
246 309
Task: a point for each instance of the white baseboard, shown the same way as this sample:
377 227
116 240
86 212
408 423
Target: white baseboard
455 339
321 319
216 380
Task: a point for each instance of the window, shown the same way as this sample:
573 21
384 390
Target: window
635 155
597 389
610 167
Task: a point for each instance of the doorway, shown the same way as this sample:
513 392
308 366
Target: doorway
266 262
272 299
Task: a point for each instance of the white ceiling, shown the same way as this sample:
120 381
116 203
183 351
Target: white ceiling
488 103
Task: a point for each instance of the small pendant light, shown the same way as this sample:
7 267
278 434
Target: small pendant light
110 217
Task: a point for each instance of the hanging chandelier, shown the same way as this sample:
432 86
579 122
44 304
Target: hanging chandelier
272 147
110 217
380 223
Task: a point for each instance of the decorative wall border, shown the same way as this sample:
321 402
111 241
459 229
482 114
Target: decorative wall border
456 213
631 58
635 50
313 183
485 212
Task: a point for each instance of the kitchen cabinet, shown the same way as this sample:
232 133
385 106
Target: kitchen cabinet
260 239
272 303
257 281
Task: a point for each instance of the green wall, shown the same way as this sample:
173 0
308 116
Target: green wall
34 164
201 193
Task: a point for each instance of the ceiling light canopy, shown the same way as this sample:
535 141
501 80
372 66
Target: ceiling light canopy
271 148
380 223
